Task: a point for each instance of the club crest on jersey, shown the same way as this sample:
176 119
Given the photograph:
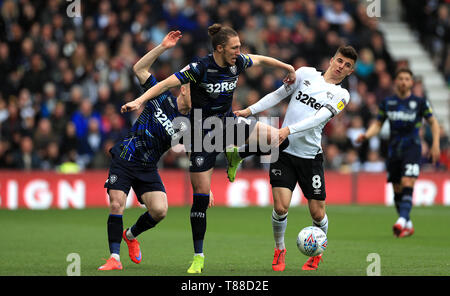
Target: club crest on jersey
329 95
412 104
233 70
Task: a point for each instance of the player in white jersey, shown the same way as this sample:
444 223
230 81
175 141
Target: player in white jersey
315 98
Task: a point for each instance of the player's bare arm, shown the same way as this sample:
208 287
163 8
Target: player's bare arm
274 63
168 83
141 68
372 131
435 150
266 102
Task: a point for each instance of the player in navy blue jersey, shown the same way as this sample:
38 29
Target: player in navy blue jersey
134 160
212 80
405 113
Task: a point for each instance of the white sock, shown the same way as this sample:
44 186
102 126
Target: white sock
129 235
115 256
279 224
201 254
322 224
401 221
409 224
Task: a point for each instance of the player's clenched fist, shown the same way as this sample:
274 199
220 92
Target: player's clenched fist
130 106
361 138
243 113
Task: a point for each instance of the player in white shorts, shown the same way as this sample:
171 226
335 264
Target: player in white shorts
315 98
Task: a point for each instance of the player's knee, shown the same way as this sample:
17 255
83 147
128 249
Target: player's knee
280 209
407 182
201 188
116 207
158 213
116 203
317 212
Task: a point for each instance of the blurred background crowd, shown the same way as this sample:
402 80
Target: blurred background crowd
63 79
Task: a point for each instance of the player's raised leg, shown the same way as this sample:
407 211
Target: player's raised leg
156 203
117 199
262 141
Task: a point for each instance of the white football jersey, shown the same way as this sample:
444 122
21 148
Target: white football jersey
308 94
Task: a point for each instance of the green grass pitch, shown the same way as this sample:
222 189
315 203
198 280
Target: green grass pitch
238 242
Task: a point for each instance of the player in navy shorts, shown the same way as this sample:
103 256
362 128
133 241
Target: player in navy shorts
405 112
212 79
134 160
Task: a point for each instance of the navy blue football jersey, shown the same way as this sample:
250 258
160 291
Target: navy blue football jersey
405 117
151 135
212 86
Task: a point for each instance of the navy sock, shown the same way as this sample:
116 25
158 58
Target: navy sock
397 200
115 229
405 205
144 222
244 151
198 220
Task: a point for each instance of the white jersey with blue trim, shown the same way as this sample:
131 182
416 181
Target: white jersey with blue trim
308 94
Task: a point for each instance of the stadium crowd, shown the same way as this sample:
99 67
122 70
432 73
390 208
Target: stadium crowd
64 78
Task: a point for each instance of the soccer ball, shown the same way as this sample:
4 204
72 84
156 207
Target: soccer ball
312 241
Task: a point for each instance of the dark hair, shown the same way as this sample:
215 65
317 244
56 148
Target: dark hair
403 70
348 52
220 34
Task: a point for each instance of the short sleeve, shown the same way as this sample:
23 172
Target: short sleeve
191 73
149 83
381 115
245 60
427 110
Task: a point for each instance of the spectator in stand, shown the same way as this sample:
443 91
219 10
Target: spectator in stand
52 157
351 163
82 116
26 158
59 119
43 136
333 157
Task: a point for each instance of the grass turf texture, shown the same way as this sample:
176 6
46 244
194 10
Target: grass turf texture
238 242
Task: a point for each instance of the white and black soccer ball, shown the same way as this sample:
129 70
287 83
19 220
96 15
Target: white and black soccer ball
312 241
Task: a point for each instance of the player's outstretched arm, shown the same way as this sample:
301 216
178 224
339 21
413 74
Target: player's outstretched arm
141 68
373 130
266 102
435 150
318 118
274 63
168 83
